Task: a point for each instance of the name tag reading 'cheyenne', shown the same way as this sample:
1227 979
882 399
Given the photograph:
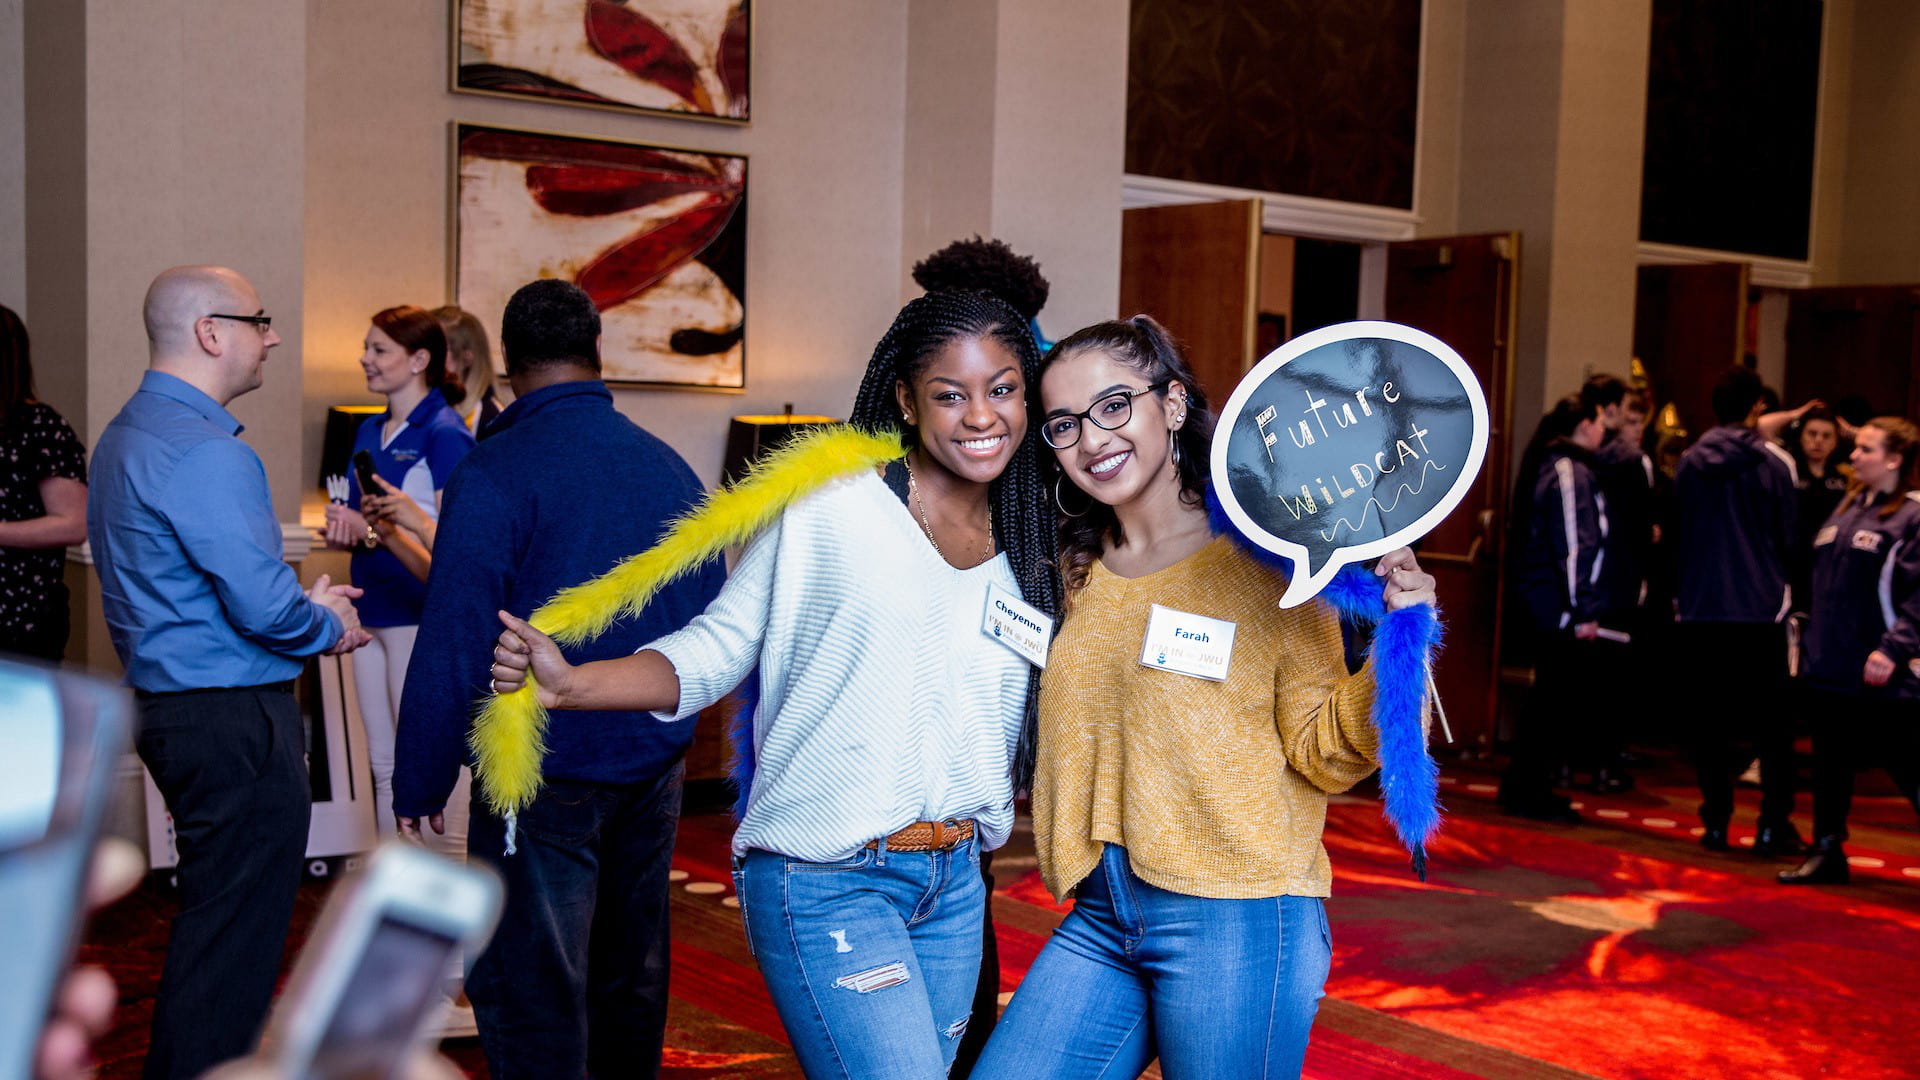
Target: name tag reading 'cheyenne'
1018 625
1187 644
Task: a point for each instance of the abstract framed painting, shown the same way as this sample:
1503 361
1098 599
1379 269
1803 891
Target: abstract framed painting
685 58
655 235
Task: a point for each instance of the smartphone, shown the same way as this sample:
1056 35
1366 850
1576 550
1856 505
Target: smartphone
64 736
363 468
368 984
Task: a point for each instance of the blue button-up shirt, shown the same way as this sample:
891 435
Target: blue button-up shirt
195 590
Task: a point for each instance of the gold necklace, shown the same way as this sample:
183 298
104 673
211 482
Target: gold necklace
926 526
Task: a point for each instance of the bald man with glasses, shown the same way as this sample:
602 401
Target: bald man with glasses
213 627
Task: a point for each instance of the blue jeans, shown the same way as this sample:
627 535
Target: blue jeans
872 960
1217 989
574 983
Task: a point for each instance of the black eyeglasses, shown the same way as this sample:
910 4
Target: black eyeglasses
263 322
1110 413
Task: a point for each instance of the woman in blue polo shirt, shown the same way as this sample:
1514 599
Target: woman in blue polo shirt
415 444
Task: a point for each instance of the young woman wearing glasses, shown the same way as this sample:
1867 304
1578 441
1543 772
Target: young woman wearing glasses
1183 814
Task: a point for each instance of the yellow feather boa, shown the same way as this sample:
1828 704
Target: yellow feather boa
509 732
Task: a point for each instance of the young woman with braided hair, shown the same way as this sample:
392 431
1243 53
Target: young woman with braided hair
1184 814
886 732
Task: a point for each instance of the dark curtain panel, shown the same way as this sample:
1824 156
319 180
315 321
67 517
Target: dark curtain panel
1305 97
1732 87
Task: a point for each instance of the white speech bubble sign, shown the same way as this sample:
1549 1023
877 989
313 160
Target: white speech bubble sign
1272 393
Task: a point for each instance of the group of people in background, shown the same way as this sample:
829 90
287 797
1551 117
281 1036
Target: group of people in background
1779 586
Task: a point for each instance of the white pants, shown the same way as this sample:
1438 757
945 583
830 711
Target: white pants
379 674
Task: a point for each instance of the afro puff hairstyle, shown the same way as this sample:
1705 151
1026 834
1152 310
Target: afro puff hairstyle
988 266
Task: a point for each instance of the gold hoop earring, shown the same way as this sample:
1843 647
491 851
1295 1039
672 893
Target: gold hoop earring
1062 506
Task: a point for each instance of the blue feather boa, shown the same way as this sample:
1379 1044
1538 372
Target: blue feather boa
1402 650
740 734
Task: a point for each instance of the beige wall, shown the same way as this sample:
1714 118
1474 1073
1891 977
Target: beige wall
13 159
1596 201
195 161
1509 141
1551 130
1060 149
1880 240
54 207
1443 75
1016 129
1830 146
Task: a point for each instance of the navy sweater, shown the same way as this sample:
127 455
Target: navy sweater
1866 596
1734 532
1567 545
560 489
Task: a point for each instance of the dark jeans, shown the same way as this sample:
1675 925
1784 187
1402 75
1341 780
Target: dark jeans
1739 701
1569 719
232 767
1856 731
986 992
574 983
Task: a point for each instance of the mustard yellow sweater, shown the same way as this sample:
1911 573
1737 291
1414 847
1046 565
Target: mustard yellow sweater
1215 789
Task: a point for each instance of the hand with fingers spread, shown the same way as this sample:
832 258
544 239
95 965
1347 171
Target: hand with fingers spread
522 649
1405 584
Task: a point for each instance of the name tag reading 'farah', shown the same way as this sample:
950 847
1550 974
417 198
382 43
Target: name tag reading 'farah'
1018 625
1188 644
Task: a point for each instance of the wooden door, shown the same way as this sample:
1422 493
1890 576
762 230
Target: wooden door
1689 326
1856 342
1462 290
1196 269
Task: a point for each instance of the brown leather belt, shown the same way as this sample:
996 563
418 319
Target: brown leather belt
929 836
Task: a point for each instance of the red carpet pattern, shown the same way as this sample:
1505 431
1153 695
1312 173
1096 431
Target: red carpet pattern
1617 949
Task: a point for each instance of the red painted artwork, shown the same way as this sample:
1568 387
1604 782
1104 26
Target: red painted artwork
685 57
657 237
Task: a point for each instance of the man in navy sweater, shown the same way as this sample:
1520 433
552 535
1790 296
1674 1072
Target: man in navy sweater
1734 538
560 489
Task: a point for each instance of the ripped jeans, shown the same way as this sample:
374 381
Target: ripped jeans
872 960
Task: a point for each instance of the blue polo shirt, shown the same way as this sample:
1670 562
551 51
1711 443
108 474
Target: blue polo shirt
417 460
185 541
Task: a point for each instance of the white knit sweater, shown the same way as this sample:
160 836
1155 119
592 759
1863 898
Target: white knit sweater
881 702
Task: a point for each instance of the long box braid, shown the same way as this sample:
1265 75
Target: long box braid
1023 523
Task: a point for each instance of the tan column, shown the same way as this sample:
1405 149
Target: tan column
1016 128
1552 132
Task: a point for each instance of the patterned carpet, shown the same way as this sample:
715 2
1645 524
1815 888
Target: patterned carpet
1616 949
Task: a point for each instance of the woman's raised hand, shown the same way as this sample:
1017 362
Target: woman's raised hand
1405 583
522 649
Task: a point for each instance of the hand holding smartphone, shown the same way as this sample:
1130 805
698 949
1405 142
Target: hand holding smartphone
368 983
363 470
